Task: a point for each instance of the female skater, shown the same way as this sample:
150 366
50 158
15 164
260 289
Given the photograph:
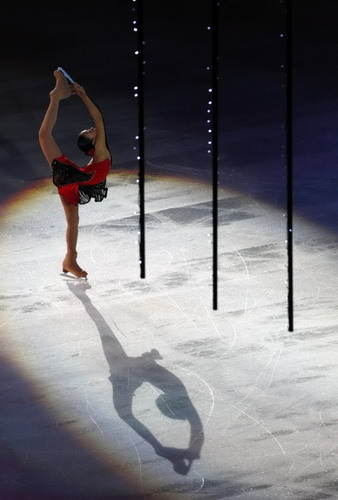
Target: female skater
75 185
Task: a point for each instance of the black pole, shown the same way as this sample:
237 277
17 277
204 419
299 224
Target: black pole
140 92
215 78
289 158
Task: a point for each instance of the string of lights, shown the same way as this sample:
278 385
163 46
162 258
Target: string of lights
212 126
213 143
286 67
289 158
137 10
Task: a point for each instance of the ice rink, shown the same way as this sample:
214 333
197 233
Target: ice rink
205 403
118 387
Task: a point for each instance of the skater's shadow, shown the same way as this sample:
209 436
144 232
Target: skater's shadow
129 373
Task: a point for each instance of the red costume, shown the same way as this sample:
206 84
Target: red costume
79 185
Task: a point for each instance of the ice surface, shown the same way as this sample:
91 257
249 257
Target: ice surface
138 385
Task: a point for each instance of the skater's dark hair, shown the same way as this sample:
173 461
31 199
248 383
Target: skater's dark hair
85 144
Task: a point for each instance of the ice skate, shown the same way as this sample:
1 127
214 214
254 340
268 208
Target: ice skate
70 265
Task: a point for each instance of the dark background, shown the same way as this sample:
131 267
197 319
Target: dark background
95 43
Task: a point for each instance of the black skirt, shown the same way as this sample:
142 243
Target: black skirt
67 174
98 192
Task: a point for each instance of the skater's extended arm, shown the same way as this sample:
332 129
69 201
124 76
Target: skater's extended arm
101 149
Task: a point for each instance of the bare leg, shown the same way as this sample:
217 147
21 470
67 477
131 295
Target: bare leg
72 216
61 91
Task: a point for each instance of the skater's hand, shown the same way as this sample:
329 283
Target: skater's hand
80 91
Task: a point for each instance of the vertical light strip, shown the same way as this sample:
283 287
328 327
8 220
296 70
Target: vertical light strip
215 78
289 159
139 28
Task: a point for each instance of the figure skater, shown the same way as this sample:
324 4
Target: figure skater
75 185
